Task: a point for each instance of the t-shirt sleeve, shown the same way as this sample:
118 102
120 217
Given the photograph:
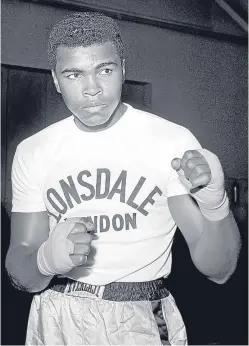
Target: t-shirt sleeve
187 142
26 187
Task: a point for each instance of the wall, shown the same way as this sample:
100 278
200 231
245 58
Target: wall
198 82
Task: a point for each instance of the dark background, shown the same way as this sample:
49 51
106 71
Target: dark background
187 62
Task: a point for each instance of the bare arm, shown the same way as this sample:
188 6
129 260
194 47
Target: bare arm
28 232
214 245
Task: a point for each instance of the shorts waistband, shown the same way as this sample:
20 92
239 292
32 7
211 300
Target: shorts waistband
116 291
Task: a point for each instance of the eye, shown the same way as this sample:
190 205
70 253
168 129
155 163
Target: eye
75 75
106 71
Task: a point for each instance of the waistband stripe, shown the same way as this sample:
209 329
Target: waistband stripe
115 291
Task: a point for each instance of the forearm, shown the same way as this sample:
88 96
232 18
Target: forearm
216 252
21 265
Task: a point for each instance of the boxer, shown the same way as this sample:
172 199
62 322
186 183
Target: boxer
141 175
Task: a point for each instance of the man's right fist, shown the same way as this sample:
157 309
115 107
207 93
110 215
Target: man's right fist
67 247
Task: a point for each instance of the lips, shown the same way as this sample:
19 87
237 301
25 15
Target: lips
93 108
93 105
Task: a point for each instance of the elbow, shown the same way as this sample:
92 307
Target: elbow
20 286
8 264
22 269
219 273
219 281
12 274
15 283
223 278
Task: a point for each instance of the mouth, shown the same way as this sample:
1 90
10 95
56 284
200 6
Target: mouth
94 106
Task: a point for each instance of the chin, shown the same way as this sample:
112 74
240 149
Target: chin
95 121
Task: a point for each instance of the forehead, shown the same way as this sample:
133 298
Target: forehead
86 56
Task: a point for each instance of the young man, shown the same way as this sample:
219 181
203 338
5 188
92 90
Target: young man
97 198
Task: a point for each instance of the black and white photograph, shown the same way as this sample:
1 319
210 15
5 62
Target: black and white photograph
124 172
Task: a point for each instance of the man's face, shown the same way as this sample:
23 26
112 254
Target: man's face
90 81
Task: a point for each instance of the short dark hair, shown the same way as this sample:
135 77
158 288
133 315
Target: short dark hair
84 29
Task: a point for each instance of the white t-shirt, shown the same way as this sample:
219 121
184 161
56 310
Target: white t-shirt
120 178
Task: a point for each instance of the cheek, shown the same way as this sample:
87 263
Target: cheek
70 92
112 87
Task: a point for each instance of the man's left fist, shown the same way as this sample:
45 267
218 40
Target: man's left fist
194 167
201 173
198 169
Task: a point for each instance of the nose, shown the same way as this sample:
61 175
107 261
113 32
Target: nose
91 87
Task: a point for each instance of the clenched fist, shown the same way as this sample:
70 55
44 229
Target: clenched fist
67 247
201 173
195 168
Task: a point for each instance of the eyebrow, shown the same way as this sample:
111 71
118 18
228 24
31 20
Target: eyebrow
78 70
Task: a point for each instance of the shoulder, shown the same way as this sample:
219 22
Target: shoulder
160 127
44 139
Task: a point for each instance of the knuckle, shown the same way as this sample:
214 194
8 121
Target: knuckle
89 237
80 227
90 225
72 237
84 238
190 164
82 259
188 154
87 249
79 259
199 169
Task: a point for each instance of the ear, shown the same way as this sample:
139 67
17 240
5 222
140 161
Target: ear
123 70
56 83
